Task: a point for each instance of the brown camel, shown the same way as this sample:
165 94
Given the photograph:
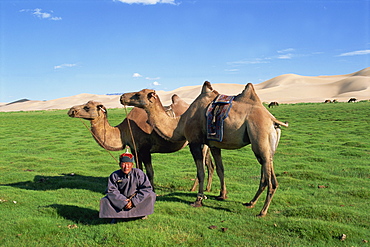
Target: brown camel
248 122
147 141
352 100
273 103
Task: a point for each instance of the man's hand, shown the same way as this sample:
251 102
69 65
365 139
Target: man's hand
129 204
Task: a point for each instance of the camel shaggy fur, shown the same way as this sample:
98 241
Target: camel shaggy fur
147 141
248 122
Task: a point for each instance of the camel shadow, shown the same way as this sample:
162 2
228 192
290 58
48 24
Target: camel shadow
70 181
177 197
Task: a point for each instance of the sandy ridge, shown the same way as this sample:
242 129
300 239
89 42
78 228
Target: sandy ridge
288 88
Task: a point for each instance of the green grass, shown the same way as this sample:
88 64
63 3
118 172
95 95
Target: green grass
53 175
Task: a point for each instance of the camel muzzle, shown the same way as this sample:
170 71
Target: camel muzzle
124 100
72 112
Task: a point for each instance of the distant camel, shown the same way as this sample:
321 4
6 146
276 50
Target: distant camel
248 122
352 100
335 101
272 104
147 141
327 101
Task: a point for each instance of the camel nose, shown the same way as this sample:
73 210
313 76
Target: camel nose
122 99
71 112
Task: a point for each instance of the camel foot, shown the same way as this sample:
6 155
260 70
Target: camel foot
196 204
260 215
199 202
248 205
221 198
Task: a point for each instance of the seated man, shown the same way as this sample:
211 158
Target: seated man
129 193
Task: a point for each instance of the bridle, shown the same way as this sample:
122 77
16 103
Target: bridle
131 134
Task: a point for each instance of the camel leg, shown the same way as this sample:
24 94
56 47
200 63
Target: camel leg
138 161
216 153
268 179
196 182
210 166
196 151
271 189
146 158
207 161
264 143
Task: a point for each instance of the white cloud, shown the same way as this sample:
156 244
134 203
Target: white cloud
147 2
42 15
286 50
65 65
286 53
152 79
255 61
136 75
156 83
355 53
285 56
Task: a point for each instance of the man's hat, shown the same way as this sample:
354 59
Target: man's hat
126 157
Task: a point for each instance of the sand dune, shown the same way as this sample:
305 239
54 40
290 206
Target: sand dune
289 88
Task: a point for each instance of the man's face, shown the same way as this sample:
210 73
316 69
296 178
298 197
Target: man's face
126 167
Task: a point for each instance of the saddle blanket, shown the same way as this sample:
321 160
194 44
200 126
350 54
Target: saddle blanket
216 113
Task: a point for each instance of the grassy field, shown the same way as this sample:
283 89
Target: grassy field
53 175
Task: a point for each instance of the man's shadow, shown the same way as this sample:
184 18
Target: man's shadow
79 215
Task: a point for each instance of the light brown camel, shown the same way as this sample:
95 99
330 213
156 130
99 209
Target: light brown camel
248 122
147 141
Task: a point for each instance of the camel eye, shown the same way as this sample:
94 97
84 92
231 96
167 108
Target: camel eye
86 108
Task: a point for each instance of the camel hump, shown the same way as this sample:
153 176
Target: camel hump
248 94
140 118
207 87
178 106
175 98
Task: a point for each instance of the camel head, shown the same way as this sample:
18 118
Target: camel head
142 99
89 111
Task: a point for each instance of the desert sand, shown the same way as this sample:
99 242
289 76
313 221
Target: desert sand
288 88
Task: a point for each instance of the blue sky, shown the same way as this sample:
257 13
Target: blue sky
53 49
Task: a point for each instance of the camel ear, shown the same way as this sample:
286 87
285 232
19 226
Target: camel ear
102 108
152 95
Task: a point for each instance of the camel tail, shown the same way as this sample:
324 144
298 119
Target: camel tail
278 123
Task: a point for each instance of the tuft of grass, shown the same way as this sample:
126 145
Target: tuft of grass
54 174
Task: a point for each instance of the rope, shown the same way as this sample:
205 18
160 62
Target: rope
96 138
132 138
